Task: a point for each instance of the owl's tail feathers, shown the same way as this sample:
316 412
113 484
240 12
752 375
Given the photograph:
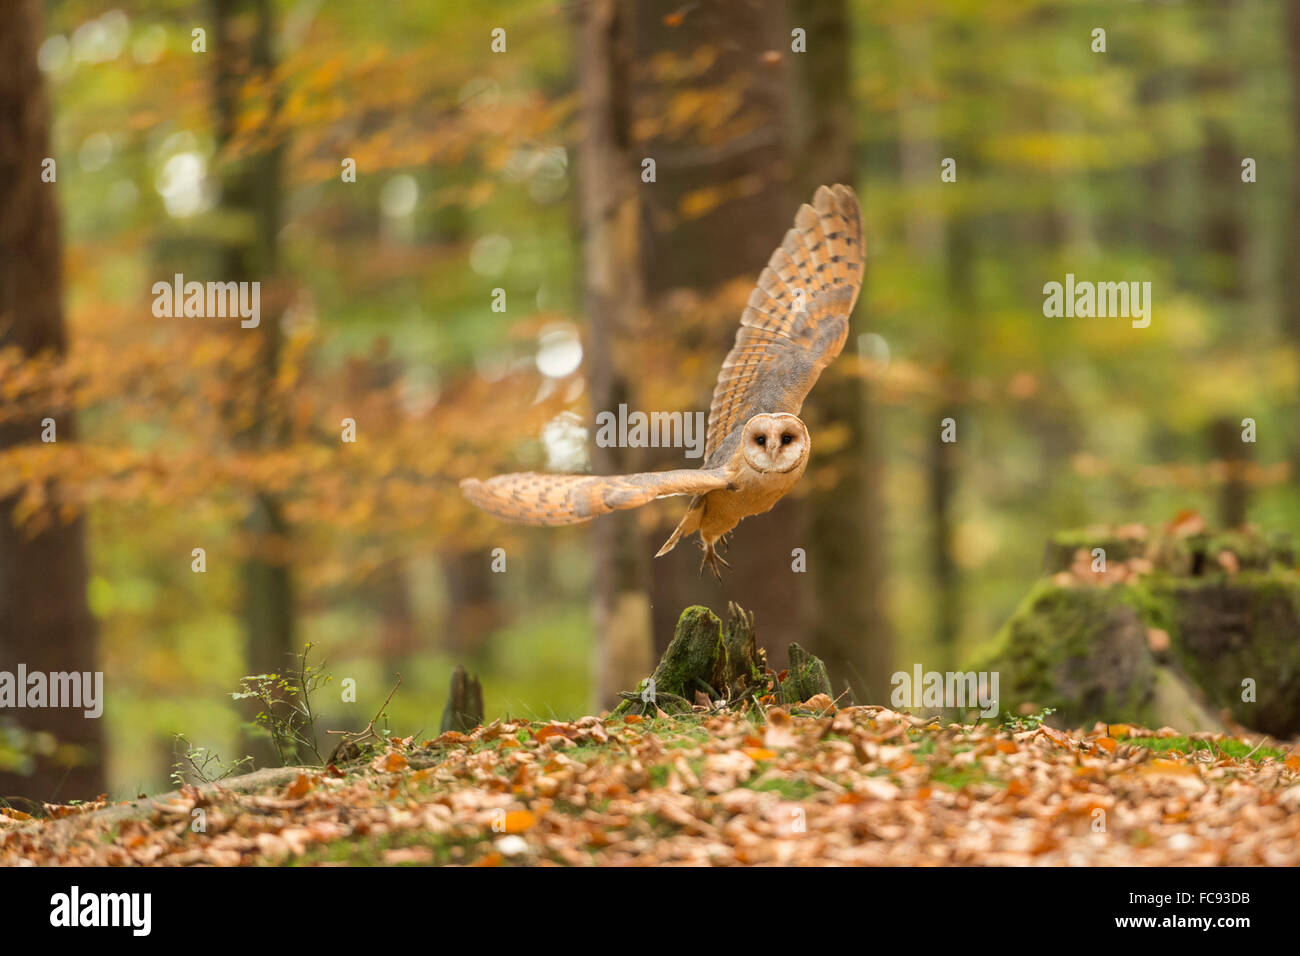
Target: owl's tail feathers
539 499
689 524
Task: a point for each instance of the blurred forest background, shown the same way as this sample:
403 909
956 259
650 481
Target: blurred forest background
521 170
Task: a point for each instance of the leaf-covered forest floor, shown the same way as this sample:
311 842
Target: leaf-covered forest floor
864 785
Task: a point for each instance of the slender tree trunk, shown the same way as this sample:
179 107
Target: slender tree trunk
846 544
1291 272
1223 227
473 608
45 622
610 225
944 457
918 149
251 187
1233 454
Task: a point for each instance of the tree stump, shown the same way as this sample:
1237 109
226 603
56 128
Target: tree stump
1167 628
806 677
724 663
464 710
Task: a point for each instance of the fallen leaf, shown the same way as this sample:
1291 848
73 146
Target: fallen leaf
301 786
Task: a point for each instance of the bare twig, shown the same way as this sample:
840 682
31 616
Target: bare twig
352 738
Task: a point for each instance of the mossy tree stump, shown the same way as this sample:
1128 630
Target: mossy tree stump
1171 629
724 662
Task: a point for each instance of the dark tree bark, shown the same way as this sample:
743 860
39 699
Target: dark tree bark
747 47
846 543
473 606
251 188
611 291
1291 265
45 621
944 457
1224 230
1234 456
464 710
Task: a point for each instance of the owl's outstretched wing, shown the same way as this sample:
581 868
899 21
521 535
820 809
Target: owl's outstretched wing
796 321
540 499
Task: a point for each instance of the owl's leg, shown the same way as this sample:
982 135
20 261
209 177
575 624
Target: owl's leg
715 561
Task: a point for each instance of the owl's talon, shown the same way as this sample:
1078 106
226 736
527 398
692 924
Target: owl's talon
715 561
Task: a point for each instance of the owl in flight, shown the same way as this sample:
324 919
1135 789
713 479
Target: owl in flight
756 447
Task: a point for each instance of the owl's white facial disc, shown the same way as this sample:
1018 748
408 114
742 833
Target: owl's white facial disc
775 443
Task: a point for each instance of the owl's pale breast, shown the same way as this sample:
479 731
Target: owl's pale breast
753 493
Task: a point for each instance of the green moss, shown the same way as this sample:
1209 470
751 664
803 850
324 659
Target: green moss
1246 626
1064 545
1149 596
791 788
703 656
1083 649
369 850
1236 749
696 649
1071 648
958 777
807 677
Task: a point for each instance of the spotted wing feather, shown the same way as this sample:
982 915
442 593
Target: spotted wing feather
541 499
796 321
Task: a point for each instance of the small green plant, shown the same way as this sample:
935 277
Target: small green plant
202 764
1015 723
286 715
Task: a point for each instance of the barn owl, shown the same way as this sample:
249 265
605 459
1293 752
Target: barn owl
757 447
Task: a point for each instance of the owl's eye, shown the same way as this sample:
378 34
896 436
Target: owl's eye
786 439
761 440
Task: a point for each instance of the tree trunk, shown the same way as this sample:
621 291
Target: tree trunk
749 174
1291 270
45 621
846 543
610 222
243 33
943 460
1223 227
1233 455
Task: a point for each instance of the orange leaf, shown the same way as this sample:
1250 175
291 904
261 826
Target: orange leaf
1187 522
555 730
301 786
1055 736
390 762
1160 765
517 821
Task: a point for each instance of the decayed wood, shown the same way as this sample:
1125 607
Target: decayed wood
724 663
464 710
